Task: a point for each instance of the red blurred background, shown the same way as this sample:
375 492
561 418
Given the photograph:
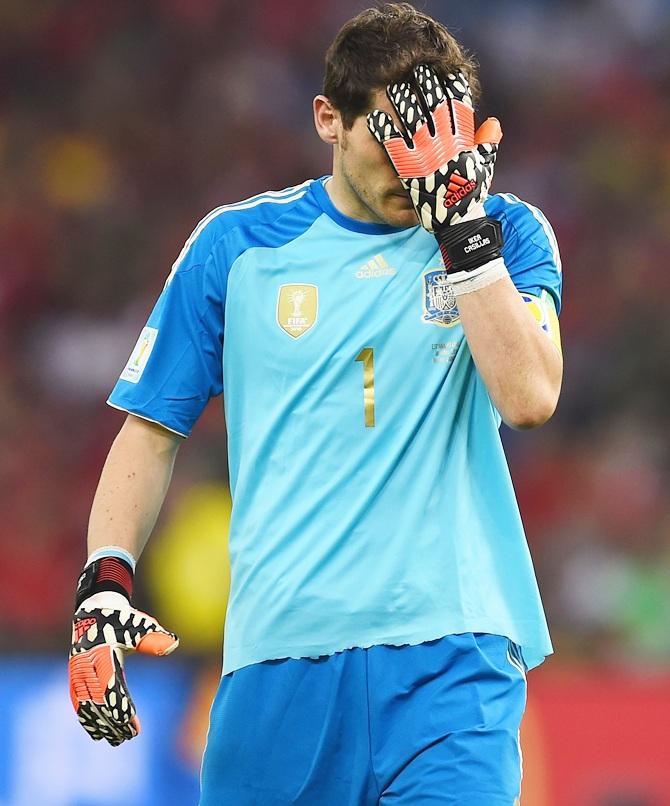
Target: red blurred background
122 123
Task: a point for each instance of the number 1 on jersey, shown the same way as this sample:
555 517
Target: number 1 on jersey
366 355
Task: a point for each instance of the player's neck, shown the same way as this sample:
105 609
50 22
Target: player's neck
347 201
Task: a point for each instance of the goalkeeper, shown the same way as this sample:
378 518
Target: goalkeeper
371 330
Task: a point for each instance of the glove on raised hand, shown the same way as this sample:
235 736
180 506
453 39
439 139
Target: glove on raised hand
445 166
104 628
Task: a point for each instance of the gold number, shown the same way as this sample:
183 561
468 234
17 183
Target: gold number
366 355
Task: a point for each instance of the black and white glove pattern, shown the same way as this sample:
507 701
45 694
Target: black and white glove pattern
105 627
444 165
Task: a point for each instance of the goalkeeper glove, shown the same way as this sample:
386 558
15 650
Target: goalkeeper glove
104 628
447 170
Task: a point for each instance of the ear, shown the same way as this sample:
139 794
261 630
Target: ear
327 120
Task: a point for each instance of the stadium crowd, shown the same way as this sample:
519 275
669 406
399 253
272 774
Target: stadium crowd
121 124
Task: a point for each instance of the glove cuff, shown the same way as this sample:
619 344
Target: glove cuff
470 244
105 574
465 282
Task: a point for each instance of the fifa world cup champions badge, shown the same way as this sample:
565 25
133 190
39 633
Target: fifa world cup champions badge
297 308
439 300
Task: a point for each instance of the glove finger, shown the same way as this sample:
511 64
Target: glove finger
118 702
406 103
429 87
100 695
405 160
90 673
118 734
487 154
451 124
112 731
489 133
87 691
130 628
127 628
382 127
159 642
457 88
95 720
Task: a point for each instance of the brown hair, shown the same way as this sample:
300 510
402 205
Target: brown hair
382 45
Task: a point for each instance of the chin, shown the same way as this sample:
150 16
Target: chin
401 218
398 211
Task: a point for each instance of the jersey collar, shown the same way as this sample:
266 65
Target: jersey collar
353 224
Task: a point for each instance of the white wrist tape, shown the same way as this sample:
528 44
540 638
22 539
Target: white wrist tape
111 551
465 282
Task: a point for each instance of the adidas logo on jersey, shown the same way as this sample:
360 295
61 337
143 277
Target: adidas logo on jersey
377 267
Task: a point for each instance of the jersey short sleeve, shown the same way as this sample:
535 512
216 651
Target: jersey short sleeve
530 251
176 365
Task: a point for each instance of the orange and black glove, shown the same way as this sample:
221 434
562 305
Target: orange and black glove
444 165
104 629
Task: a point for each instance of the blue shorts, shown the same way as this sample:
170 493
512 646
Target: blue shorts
435 723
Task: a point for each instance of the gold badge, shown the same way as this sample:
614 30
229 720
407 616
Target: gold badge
297 308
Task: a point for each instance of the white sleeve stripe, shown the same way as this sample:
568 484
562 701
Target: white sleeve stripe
270 193
290 196
517 665
539 216
148 419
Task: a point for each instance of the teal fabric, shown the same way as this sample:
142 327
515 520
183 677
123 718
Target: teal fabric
345 535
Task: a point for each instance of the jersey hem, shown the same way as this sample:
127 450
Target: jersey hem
233 660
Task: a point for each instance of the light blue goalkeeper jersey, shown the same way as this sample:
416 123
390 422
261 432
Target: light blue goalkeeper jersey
372 503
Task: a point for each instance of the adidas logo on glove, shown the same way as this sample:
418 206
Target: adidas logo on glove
458 188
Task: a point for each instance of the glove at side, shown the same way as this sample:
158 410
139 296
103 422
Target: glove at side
104 628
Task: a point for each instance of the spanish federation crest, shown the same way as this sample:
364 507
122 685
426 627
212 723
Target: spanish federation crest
439 300
297 308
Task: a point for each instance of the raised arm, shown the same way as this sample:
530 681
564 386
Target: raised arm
447 168
521 366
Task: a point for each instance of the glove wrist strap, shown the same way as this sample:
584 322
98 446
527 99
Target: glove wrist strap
105 574
112 551
465 282
468 245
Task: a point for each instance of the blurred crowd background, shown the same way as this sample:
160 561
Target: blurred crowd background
122 123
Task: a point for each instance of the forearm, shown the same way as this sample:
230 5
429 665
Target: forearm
132 486
520 365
